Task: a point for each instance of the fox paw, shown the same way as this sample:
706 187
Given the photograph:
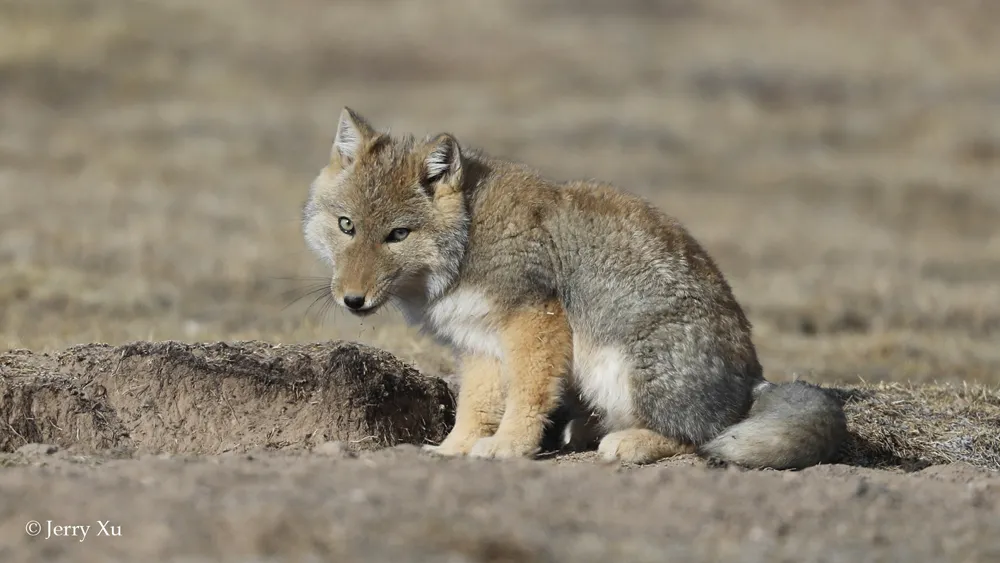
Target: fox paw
452 447
441 451
608 448
639 446
496 447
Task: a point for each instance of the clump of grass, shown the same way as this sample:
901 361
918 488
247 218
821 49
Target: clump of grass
912 426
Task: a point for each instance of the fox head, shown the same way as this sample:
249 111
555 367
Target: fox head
388 215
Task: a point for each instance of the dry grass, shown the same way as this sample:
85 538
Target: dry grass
839 159
894 424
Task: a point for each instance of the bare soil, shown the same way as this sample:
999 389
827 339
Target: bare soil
841 161
401 505
230 451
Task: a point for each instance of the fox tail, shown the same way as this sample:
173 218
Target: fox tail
790 426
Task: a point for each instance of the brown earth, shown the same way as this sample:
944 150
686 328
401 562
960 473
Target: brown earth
400 505
180 398
841 160
308 461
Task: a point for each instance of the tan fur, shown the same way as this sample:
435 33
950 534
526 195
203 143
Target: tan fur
480 406
542 285
640 445
537 345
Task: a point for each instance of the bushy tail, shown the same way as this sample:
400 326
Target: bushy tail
790 426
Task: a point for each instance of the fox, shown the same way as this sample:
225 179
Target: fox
556 294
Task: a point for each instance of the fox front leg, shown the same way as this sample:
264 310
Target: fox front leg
538 349
480 406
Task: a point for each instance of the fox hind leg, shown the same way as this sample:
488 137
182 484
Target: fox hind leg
640 445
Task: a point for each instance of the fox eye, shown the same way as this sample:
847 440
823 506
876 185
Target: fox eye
346 225
397 235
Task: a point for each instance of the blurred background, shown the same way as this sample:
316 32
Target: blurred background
841 160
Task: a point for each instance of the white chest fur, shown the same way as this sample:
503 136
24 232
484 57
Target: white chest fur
461 317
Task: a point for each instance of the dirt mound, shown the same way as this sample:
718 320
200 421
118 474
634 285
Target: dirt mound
213 398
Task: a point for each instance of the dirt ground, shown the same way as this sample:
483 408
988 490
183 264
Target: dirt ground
841 160
255 451
400 505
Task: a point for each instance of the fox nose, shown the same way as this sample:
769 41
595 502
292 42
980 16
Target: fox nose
354 301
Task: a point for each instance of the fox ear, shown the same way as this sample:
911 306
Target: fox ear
353 132
443 163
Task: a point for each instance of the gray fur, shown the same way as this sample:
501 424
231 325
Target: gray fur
630 278
791 426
